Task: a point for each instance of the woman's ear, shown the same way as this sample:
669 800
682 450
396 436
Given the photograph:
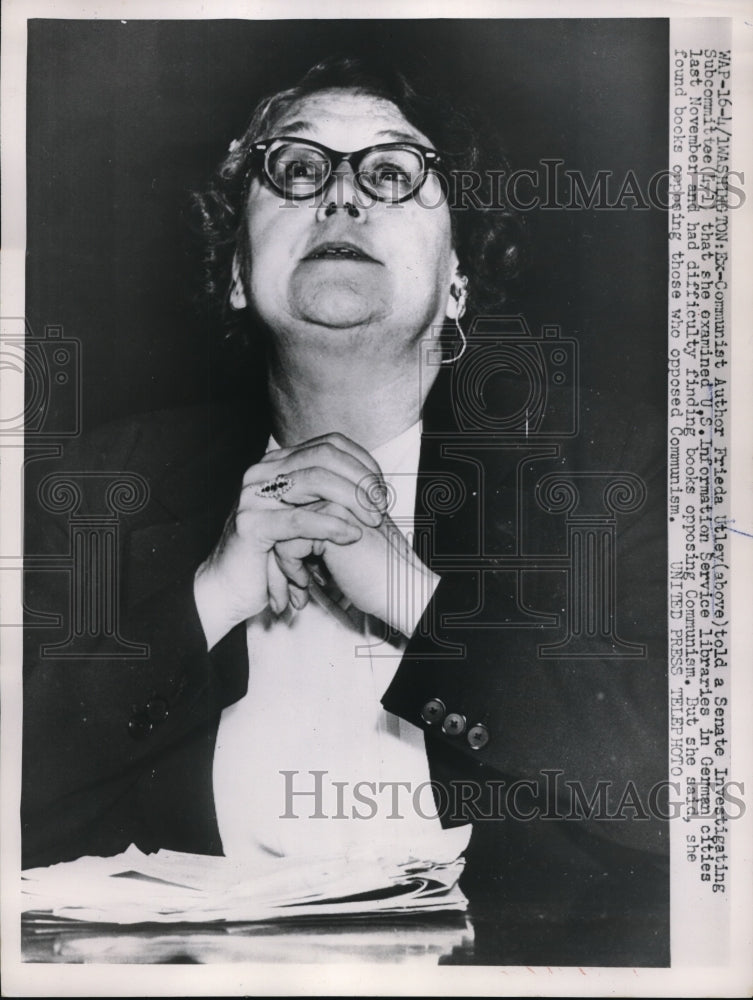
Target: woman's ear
456 300
237 293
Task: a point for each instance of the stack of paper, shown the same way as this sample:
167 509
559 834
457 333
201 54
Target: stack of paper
170 887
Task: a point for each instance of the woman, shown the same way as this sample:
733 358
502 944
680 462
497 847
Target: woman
349 264
354 632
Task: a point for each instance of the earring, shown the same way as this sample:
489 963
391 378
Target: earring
237 296
459 292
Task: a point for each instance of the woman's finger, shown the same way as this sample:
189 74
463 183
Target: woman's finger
305 486
387 527
330 509
266 528
289 556
339 441
367 479
299 596
323 454
277 585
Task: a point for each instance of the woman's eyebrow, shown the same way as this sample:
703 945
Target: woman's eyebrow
399 136
299 126
304 126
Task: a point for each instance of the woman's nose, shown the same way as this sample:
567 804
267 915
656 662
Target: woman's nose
341 195
353 210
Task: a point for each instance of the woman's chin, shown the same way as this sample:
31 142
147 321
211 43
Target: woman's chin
340 312
339 304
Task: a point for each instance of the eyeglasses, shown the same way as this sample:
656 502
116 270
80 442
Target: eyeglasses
301 168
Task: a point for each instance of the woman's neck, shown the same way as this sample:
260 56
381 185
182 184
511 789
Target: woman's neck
311 397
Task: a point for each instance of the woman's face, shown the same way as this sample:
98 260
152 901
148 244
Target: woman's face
386 300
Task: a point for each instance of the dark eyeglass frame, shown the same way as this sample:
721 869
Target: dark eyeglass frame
262 150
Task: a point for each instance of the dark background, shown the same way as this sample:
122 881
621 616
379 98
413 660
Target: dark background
124 119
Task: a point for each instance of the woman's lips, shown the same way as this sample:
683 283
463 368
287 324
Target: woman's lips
339 251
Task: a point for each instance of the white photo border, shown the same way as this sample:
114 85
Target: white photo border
734 977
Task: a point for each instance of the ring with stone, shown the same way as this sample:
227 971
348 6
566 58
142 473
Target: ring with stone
273 489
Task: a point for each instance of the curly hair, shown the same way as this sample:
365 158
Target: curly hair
488 235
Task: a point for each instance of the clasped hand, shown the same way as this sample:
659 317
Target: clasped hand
333 509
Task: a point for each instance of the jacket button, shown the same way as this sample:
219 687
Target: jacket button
156 709
139 726
478 736
454 724
433 711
